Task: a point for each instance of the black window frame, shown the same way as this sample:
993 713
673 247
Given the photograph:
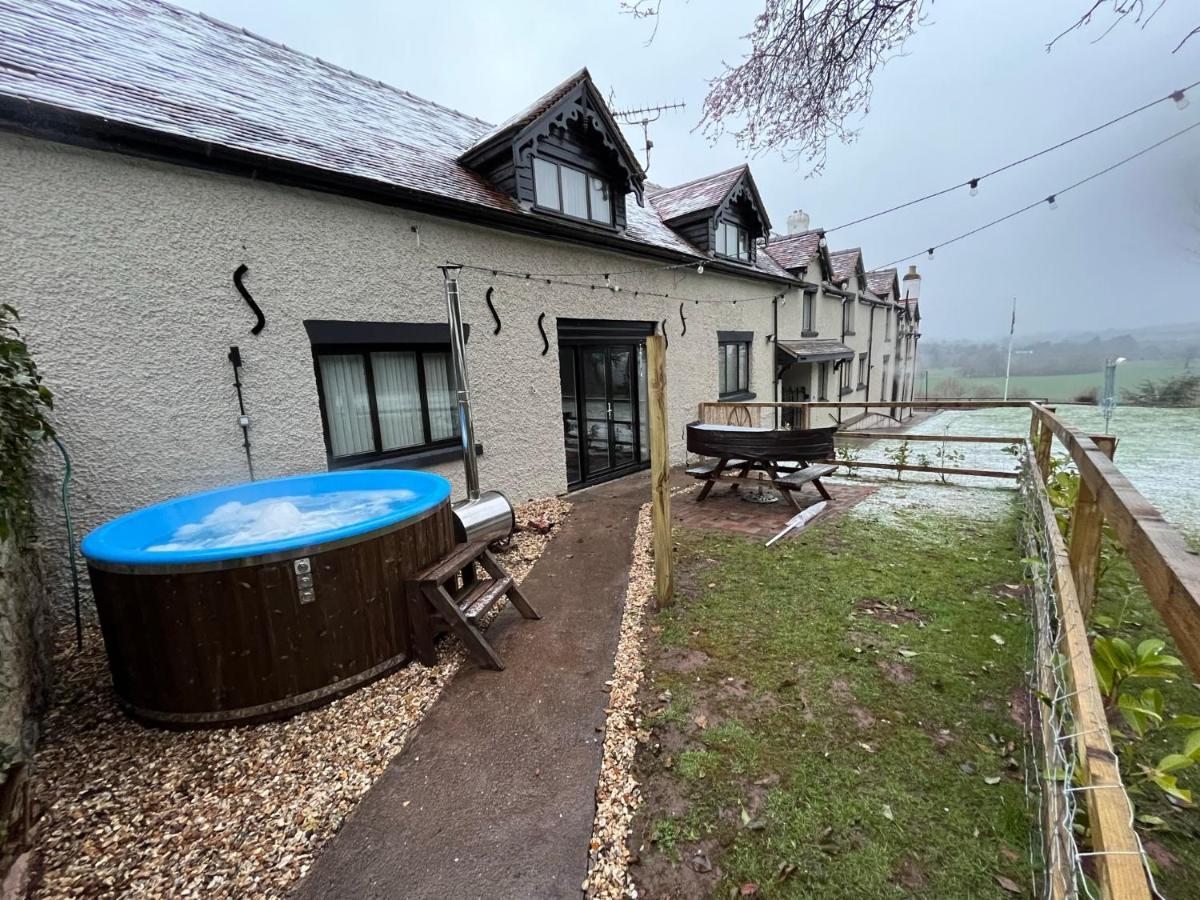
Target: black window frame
741 230
823 382
848 316
365 351
740 391
587 176
845 382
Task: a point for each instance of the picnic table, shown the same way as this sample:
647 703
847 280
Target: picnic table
789 458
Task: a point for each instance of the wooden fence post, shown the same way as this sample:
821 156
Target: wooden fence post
1087 524
1044 441
660 470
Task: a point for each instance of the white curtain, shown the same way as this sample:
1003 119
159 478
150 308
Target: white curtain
398 399
347 406
439 391
574 189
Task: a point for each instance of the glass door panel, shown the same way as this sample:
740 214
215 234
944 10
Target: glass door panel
620 379
596 436
643 405
570 412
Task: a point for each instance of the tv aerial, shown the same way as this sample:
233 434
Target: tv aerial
644 116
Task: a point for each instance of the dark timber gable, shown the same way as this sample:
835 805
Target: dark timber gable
571 126
696 209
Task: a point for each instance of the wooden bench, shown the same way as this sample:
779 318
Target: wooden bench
457 595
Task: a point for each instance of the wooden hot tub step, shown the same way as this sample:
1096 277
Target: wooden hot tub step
437 590
483 596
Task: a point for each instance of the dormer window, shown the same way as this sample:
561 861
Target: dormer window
571 192
733 241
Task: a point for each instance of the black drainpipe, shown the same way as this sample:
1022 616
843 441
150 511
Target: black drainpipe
870 355
235 358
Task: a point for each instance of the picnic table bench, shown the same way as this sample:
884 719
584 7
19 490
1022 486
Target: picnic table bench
789 458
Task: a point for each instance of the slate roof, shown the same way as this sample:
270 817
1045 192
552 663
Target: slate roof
795 251
177 74
515 123
845 263
695 196
816 350
882 281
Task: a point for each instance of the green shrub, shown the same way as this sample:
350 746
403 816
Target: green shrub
24 402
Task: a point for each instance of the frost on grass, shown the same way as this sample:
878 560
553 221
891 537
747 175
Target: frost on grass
235 812
1158 450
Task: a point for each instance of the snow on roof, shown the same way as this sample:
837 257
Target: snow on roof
882 281
151 66
697 195
795 251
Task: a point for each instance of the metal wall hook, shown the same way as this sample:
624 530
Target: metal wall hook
666 340
492 309
545 340
237 282
683 320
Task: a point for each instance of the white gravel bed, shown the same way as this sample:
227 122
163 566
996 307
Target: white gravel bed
617 794
239 812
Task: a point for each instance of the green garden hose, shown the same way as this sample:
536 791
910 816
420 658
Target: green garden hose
66 502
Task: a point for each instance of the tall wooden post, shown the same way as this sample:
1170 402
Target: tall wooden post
1042 448
660 469
1087 523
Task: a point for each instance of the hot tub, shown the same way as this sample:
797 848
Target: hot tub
254 601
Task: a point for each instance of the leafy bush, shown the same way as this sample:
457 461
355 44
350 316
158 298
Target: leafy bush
24 402
1178 390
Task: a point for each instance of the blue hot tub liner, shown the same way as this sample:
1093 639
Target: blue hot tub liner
396 496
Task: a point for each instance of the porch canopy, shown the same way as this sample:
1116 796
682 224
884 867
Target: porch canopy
812 351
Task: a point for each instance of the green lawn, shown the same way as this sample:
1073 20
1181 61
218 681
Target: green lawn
834 717
1060 388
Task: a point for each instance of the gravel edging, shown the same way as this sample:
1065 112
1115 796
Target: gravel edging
135 811
617 793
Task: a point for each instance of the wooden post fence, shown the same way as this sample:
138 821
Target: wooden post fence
660 469
1087 526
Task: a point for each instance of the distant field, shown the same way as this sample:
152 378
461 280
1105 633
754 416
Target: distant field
1059 387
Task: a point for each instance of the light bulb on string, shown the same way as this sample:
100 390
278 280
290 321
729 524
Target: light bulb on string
930 252
974 187
1180 98
1052 201
700 269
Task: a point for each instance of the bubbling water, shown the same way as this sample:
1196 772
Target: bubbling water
234 524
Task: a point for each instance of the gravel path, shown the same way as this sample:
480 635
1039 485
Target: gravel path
239 812
617 794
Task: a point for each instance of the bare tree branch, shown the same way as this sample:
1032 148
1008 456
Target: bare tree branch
811 67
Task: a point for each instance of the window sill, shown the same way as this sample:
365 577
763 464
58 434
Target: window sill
737 396
419 460
848 334
809 334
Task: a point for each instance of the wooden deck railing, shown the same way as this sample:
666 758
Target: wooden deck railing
1159 555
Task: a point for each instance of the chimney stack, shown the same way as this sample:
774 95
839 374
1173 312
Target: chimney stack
798 221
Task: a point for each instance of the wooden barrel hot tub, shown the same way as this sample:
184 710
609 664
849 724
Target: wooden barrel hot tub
256 601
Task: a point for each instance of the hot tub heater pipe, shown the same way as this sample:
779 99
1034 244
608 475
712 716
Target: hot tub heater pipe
482 516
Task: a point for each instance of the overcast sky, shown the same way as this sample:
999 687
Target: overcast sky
975 89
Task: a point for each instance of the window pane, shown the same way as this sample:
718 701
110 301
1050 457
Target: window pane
398 399
743 367
347 405
722 380
574 190
730 248
808 313
440 396
743 244
720 245
545 183
601 208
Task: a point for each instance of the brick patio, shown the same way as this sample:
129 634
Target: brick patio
725 510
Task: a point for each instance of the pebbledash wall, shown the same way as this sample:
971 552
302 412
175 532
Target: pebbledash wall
122 270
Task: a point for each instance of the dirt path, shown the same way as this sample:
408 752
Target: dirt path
495 795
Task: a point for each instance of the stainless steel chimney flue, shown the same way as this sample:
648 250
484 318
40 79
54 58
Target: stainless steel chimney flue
487 516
